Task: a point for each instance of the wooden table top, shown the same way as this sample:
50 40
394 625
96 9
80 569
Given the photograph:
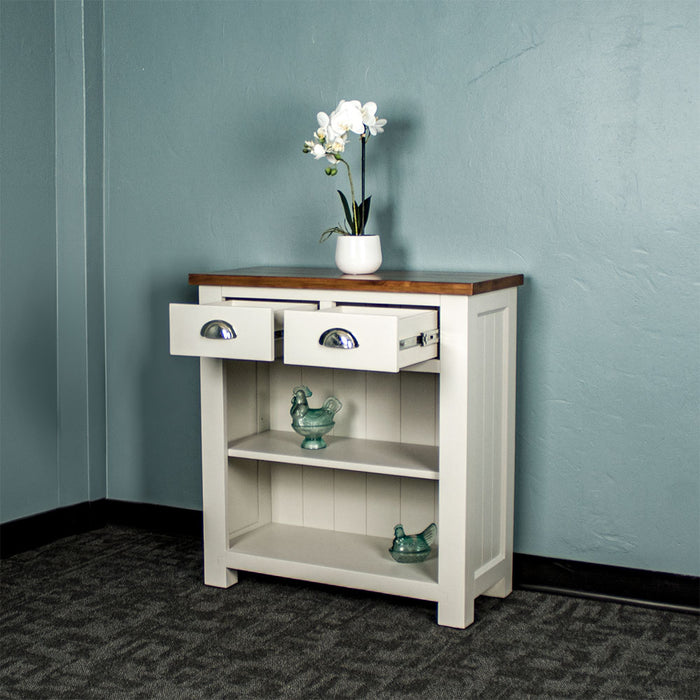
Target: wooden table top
407 281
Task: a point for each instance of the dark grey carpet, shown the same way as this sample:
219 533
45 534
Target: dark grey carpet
120 613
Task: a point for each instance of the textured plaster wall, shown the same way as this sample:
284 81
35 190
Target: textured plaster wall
52 425
559 139
28 371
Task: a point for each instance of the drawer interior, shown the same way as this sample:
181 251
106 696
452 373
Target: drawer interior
278 307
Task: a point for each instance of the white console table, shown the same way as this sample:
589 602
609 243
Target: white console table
426 432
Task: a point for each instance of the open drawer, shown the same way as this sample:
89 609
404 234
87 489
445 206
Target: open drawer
234 329
374 338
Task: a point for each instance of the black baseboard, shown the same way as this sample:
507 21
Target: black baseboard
154 518
557 576
608 583
37 530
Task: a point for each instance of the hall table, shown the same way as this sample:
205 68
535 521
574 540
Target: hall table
425 370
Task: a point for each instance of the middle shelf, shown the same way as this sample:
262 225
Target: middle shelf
350 454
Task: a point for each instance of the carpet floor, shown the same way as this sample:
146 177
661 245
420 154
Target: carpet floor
122 613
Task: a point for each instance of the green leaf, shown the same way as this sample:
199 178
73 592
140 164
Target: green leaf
348 215
363 219
330 231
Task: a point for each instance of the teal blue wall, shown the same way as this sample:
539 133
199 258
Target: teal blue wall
559 139
52 426
29 479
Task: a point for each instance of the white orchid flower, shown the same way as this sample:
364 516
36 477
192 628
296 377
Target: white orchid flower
377 127
338 145
327 131
324 132
369 119
347 116
323 120
317 150
369 110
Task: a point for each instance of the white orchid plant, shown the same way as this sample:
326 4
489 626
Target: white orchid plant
329 142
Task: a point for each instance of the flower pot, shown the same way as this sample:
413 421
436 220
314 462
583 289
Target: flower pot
358 255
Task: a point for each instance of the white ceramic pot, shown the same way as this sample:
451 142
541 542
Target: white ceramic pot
358 255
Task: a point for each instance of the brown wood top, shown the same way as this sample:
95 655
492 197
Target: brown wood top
408 281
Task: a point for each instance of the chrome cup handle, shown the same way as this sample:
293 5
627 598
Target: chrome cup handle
218 330
338 338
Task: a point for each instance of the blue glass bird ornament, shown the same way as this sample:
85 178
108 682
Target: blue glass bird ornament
312 423
410 549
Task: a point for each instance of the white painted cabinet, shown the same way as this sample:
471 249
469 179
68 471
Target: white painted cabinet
426 432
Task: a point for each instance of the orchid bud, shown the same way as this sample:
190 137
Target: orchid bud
331 171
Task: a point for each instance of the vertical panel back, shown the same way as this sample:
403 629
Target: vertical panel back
376 406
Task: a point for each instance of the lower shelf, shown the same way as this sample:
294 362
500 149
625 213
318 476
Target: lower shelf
335 558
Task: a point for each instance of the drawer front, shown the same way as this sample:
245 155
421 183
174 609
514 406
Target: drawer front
235 332
364 338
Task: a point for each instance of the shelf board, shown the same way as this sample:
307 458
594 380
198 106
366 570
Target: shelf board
335 558
352 454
